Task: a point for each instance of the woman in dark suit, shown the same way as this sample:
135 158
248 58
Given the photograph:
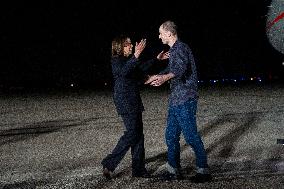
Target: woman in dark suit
129 105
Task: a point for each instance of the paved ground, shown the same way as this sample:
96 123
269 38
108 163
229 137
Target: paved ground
57 140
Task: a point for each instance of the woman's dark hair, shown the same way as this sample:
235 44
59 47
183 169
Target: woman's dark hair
117 45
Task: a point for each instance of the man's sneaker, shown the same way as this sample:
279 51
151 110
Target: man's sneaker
167 176
201 178
107 173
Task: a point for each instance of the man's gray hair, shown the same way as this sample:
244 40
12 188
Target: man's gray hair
170 26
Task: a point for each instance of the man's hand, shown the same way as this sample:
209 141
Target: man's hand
157 80
163 55
151 79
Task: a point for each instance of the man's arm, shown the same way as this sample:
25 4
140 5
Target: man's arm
157 80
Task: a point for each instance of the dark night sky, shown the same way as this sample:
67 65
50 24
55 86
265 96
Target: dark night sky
52 42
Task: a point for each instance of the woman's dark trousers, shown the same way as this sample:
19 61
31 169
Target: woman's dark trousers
133 138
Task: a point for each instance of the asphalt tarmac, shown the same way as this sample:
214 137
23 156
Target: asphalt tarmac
58 139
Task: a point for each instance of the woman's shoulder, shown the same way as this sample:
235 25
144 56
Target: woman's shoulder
118 59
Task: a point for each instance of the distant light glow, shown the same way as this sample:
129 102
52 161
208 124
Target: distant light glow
280 141
72 85
282 63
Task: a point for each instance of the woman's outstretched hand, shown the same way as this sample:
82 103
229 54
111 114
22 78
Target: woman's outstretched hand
139 47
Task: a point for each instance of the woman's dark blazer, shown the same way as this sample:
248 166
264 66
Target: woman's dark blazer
126 89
